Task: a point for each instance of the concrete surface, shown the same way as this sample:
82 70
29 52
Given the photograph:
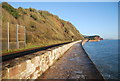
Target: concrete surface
74 64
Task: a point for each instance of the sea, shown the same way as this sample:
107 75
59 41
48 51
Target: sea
104 55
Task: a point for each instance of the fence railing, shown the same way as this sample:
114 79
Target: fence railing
13 36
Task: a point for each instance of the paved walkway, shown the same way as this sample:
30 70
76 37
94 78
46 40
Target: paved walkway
74 64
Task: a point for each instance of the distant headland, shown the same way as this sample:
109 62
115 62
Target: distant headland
93 38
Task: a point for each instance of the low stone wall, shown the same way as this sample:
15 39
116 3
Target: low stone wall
33 65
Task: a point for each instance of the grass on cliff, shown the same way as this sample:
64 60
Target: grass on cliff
42 27
32 46
11 10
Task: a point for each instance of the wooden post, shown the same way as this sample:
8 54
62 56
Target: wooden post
8 36
25 36
17 42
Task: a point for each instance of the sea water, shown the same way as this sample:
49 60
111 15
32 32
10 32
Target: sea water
104 55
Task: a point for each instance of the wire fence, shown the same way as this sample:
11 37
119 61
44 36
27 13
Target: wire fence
13 36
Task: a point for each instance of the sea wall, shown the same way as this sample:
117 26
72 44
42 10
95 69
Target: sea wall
33 65
84 41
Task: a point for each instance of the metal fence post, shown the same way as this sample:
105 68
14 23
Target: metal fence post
8 36
17 42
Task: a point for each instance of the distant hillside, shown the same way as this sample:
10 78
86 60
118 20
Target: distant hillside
94 37
42 27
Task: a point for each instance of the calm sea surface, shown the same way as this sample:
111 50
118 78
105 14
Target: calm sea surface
104 54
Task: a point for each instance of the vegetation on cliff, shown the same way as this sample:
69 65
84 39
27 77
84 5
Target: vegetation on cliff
43 28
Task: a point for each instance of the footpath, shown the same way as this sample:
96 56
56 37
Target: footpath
74 64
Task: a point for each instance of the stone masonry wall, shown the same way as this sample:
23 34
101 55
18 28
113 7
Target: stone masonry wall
33 65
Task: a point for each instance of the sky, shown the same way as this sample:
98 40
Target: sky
60 0
90 18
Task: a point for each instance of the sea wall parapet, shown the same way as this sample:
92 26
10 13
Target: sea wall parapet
33 65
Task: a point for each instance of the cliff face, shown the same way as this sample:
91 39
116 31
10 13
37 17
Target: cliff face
41 26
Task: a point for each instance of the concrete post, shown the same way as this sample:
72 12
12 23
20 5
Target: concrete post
8 36
17 41
25 35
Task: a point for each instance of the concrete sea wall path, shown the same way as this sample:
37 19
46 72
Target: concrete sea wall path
74 64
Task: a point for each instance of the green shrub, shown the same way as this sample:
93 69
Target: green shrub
24 12
10 9
16 15
32 10
20 8
34 17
